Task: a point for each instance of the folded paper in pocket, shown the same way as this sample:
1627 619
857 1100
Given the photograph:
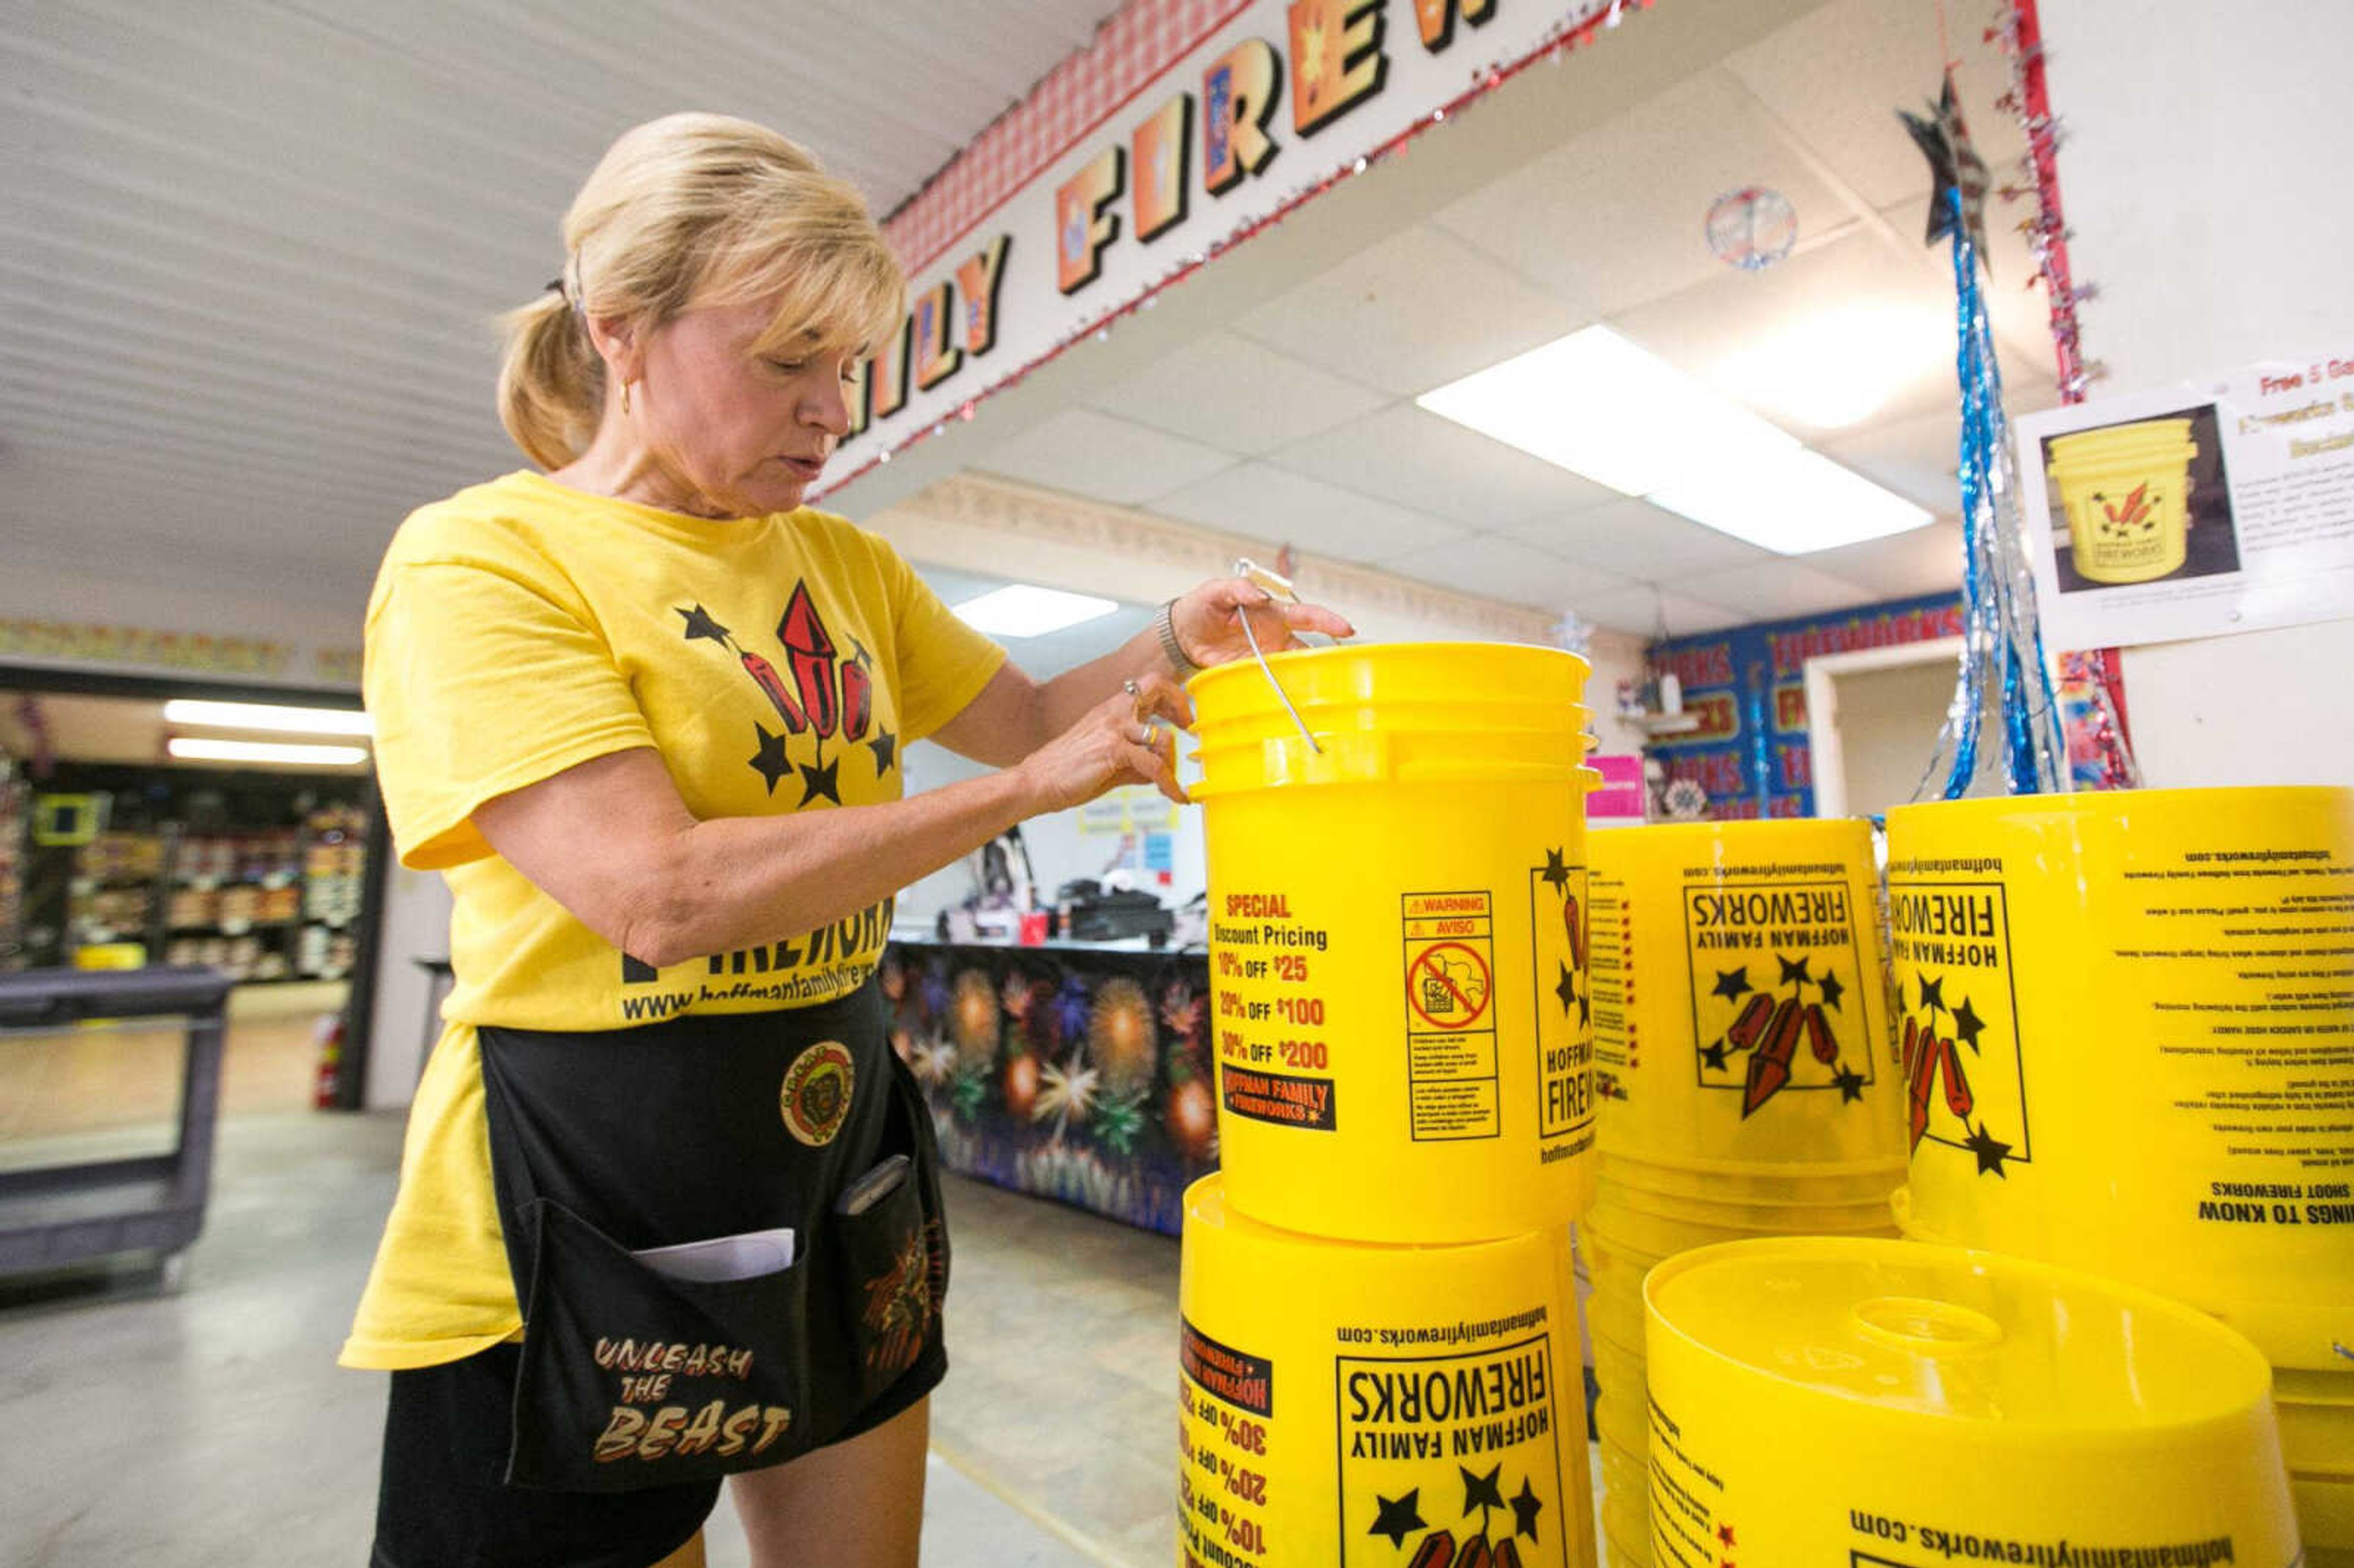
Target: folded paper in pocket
743 1257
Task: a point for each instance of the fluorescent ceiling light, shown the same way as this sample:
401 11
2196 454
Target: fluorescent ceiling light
270 716
1602 407
198 749
1798 503
1022 611
1599 406
1840 368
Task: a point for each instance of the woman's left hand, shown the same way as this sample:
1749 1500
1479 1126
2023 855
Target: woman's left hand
1209 621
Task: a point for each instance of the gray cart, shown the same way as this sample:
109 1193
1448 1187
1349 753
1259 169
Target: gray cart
52 1216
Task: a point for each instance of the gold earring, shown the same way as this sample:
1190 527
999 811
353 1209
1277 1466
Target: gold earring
625 396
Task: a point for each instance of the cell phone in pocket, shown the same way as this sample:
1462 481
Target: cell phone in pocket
872 1186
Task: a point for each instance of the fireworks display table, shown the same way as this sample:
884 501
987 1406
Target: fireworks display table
1075 1072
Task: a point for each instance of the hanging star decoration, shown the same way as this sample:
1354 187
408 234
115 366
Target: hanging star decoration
1955 164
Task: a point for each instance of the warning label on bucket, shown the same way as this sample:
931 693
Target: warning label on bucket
1450 982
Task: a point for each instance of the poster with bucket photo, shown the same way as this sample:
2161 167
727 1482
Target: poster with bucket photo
2194 511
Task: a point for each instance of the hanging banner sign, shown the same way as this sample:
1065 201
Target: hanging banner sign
1279 101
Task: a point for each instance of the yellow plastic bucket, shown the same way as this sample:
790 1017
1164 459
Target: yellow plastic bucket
1740 1006
1333 1396
1864 1184
2317 1438
1617 1320
1870 1401
2126 491
2325 1512
1770 1218
1397 938
1648 1235
2127 1050
1620 1553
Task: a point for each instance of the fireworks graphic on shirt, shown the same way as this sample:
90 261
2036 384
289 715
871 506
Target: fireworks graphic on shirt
819 694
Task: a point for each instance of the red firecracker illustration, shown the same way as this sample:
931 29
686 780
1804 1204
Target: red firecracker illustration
773 687
857 699
809 652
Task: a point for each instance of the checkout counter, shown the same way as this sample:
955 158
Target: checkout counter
1069 1069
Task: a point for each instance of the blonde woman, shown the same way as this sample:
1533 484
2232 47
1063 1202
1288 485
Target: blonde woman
647 713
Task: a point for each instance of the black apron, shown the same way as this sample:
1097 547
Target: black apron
603 1144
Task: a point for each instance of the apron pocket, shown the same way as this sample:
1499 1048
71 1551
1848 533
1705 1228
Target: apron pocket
894 1254
632 1379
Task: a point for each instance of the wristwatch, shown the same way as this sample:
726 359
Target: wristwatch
1165 624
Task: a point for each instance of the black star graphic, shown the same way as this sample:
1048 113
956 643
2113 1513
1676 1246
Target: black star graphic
1832 989
1849 1082
1566 989
1968 1025
819 780
1399 1517
1556 871
1797 972
1481 1491
1989 1150
1713 1055
1724 1533
1586 1007
1732 984
885 748
771 762
1932 992
1525 1512
700 624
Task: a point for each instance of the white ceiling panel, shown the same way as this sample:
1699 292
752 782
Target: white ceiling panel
1282 507
1498 567
1635 539
1838 76
255 245
1112 459
1925 560
1647 611
1415 458
1772 589
1418 311
1227 391
1616 216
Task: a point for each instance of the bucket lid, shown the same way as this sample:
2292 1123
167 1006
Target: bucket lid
2142 436
1938 1332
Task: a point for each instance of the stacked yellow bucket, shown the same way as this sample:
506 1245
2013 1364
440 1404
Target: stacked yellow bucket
1885 1405
1379 1343
2127 1032
1749 1084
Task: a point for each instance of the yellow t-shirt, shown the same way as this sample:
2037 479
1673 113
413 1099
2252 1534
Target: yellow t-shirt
521 628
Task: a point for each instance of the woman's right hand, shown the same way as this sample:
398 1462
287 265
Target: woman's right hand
1114 744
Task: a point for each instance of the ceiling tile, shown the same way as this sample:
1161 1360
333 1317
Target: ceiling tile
1644 610
1499 569
1437 466
1921 561
1778 589
1418 311
1838 75
1227 392
1616 216
1282 507
1916 457
1637 540
1092 454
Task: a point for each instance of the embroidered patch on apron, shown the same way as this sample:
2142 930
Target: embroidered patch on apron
815 1100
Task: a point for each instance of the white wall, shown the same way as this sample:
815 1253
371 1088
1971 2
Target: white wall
416 924
2204 175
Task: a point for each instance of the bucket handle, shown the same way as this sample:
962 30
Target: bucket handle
1274 583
